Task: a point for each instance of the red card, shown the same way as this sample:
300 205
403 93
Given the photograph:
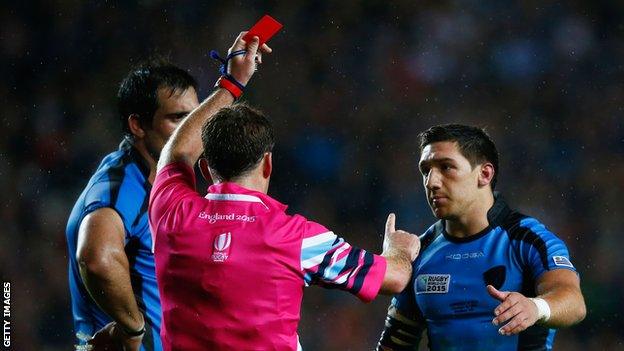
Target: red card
264 29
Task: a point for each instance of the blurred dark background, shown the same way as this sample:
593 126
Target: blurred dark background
349 86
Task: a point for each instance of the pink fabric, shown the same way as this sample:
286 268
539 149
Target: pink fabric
229 266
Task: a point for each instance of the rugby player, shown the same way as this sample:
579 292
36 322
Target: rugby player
112 276
488 277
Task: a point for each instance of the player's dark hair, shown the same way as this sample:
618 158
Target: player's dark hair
473 142
138 92
235 139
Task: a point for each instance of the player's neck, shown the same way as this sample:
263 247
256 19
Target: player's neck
473 220
252 182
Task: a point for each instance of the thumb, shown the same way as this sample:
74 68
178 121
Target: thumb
239 43
252 48
495 293
390 223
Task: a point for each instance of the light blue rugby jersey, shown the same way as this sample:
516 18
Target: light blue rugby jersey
121 183
448 287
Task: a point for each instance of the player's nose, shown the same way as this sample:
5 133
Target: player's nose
433 181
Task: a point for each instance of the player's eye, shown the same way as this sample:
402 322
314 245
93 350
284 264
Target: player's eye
176 117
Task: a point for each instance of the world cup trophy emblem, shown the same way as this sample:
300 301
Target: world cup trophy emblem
221 247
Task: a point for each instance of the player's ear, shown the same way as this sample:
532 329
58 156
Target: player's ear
486 174
134 124
267 165
205 170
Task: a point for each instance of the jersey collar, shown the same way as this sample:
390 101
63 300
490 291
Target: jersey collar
229 191
495 215
499 211
127 146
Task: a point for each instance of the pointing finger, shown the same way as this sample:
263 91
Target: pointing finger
390 223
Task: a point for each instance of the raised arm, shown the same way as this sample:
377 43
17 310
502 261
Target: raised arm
328 260
559 289
185 144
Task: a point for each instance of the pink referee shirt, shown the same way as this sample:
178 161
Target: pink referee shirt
231 267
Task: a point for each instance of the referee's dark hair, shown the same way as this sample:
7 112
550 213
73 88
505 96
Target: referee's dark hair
138 92
235 139
473 143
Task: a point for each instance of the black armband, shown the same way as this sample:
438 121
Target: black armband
399 336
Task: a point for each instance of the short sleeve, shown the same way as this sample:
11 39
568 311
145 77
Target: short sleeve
541 250
123 195
329 261
98 196
173 194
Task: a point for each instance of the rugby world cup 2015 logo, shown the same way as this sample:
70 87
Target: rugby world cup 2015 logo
221 247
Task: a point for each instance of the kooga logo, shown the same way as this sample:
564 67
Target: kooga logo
465 255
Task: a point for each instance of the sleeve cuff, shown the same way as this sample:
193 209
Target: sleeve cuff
374 279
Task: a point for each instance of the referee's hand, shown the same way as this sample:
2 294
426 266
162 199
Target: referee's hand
400 249
242 67
400 241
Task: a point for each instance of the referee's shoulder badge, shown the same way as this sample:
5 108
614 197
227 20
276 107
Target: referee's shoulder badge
221 247
562 261
433 283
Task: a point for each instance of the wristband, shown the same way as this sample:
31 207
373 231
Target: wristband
133 333
227 81
543 309
230 84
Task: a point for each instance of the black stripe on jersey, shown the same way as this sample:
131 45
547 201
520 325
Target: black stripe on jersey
127 146
116 174
136 281
148 337
324 264
141 163
499 211
535 337
352 260
144 205
361 275
516 232
428 238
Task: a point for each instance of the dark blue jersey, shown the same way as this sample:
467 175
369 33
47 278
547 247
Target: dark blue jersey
121 183
448 289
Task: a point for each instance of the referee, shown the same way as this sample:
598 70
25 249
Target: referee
232 266
488 277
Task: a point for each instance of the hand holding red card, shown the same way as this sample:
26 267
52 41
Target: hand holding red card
244 56
264 29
